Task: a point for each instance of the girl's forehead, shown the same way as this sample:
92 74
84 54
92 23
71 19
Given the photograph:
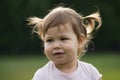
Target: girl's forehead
61 29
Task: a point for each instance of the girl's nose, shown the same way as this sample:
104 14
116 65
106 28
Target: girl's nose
57 45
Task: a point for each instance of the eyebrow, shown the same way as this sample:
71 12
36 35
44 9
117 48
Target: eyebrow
58 36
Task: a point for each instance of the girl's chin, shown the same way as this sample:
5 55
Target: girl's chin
59 62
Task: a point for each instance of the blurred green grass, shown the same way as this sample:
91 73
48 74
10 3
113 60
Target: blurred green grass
23 67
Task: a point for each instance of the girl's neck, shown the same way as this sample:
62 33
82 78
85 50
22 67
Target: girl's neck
68 67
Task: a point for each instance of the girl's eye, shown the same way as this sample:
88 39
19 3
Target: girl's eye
49 40
64 39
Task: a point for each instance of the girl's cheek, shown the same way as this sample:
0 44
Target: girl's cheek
47 48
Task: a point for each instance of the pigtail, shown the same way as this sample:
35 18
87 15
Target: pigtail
90 22
37 25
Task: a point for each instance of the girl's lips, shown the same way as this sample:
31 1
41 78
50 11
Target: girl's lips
58 53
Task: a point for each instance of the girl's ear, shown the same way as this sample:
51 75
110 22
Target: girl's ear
81 41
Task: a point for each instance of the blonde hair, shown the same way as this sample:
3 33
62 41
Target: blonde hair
82 25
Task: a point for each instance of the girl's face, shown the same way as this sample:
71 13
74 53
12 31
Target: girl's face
61 44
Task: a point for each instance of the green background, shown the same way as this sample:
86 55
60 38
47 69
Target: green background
21 54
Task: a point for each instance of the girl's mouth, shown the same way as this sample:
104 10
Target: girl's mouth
58 53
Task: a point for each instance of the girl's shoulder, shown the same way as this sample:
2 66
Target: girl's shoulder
83 64
39 74
45 68
89 69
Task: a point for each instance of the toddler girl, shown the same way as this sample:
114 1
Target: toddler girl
66 35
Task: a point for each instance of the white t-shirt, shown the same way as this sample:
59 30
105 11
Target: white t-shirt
85 71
